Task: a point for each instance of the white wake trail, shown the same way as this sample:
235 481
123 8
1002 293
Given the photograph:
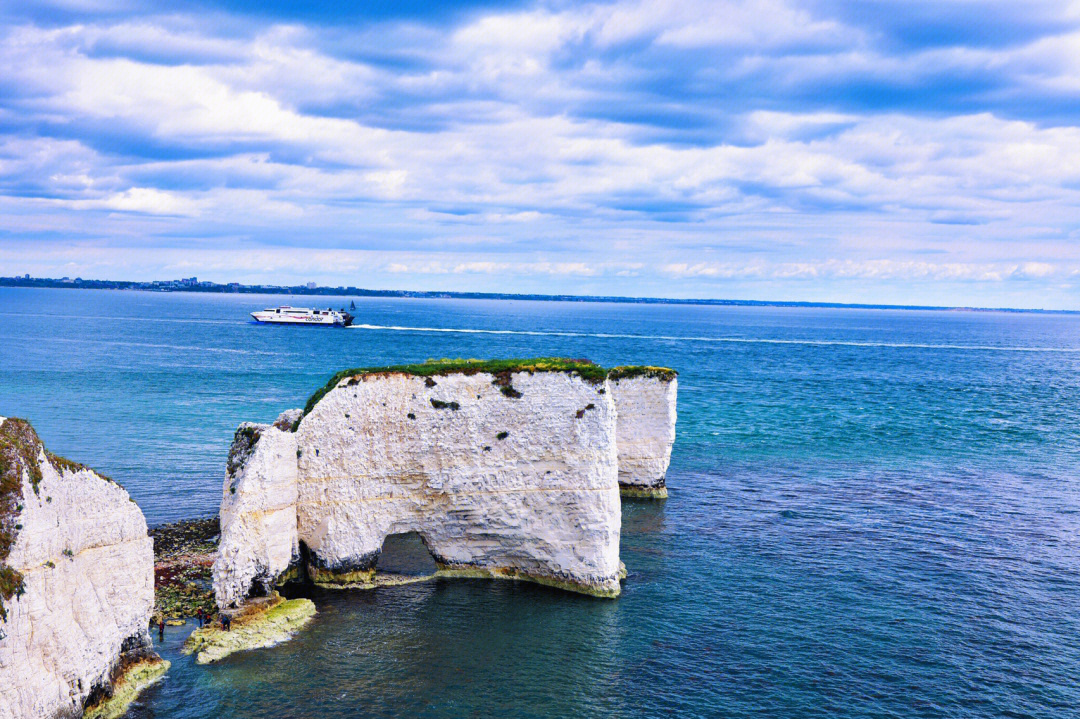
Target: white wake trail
735 340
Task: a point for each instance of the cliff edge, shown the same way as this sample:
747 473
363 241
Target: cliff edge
76 586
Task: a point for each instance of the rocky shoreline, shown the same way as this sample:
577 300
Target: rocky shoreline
261 623
184 552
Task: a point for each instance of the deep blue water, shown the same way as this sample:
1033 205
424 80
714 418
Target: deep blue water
872 513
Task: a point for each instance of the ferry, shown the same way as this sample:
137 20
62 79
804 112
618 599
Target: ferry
286 315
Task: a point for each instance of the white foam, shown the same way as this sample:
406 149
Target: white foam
738 340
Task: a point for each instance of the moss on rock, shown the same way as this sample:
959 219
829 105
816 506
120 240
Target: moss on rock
630 491
593 590
258 625
127 688
339 579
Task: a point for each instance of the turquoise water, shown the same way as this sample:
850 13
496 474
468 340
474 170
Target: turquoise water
872 513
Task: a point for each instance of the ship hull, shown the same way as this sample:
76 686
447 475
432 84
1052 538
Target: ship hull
304 320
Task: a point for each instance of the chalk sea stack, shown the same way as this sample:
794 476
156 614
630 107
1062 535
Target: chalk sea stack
506 469
645 400
76 586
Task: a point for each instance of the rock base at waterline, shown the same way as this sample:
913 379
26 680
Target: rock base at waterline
257 625
608 589
372 580
630 491
127 688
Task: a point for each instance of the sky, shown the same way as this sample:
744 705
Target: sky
890 151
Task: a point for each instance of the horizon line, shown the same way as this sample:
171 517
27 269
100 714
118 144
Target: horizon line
206 286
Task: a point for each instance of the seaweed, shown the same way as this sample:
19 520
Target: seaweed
439 404
502 435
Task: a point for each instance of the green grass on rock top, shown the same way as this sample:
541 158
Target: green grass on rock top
661 373
583 368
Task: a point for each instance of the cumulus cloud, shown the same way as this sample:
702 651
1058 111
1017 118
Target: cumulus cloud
604 147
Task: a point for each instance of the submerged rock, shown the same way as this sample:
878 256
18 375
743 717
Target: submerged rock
260 624
76 583
645 400
183 554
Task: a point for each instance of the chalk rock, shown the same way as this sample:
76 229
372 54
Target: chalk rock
76 582
258 512
645 428
510 476
504 468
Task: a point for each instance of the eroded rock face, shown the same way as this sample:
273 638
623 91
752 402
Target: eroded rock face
504 468
501 476
79 581
645 405
258 512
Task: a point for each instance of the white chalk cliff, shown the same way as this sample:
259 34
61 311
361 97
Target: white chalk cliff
645 400
258 512
76 581
503 472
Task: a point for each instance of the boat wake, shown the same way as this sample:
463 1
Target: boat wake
734 340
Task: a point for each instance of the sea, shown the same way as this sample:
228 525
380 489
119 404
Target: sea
873 513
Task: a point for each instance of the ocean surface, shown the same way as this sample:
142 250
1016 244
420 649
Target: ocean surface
873 513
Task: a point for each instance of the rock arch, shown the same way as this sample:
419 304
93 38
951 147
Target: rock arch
507 469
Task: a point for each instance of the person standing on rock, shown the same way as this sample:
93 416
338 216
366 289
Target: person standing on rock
226 622
201 616
161 629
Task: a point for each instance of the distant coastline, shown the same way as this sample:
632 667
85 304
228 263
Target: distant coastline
192 284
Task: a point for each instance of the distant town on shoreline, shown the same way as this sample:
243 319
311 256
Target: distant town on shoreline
193 284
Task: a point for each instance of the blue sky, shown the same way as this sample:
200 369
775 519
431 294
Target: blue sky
871 151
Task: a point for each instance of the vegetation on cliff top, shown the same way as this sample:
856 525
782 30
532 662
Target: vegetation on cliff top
661 373
244 441
583 368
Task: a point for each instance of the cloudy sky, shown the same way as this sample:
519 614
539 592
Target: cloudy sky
908 151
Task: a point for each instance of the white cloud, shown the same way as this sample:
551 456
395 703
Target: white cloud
481 151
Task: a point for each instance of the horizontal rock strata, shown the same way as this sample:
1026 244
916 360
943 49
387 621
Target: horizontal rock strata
76 581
